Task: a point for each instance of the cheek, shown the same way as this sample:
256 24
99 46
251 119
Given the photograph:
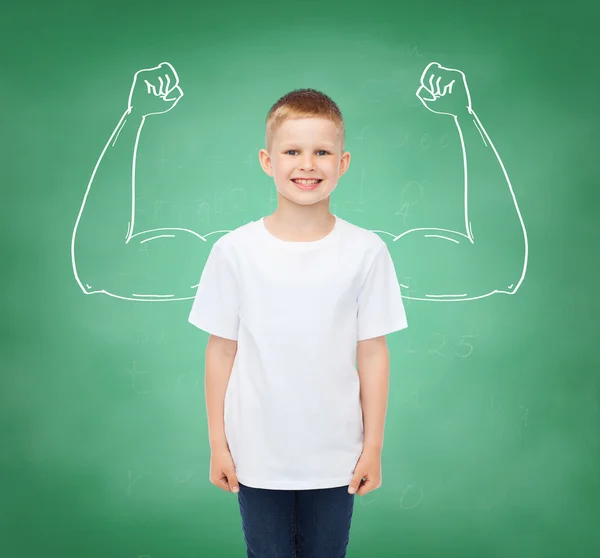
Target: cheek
281 168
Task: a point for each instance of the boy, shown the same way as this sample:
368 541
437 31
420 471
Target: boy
293 302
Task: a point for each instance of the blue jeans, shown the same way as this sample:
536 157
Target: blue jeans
296 523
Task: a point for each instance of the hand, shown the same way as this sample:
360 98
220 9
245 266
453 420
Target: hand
155 90
222 470
444 90
367 473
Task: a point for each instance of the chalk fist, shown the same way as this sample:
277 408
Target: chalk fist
444 90
155 90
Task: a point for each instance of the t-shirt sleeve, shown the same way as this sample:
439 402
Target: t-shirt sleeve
216 304
380 307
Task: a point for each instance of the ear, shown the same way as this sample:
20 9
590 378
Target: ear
344 162
265 161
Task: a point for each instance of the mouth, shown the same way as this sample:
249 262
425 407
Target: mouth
307 184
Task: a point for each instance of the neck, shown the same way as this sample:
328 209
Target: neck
299 223
302 220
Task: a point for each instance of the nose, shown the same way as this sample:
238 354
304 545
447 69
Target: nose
307 164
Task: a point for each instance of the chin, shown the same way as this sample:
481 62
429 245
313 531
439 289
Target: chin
305 198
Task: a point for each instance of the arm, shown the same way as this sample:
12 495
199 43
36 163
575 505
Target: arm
489 254
373 364
107 255
220 356
373 369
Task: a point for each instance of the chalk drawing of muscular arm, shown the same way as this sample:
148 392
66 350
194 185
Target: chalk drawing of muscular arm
164 264
108 256
490 255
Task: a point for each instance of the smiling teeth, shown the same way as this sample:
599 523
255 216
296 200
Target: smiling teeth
300 181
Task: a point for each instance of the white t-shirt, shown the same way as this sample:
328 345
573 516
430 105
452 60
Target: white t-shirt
293 416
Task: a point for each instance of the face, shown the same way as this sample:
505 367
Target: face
305 148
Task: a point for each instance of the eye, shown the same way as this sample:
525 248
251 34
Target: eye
320 150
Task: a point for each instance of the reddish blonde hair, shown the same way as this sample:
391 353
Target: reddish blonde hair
303 103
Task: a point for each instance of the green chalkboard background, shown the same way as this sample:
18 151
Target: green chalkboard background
492 440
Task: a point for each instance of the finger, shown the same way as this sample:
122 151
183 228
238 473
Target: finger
364 487
435 89
170 82
161 87
233 483
175 94
355 483
151 88
431 86
422 97
432 66
360 490
223 484
448 88
167 69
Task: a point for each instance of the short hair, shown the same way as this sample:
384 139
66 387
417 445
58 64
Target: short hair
303 103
